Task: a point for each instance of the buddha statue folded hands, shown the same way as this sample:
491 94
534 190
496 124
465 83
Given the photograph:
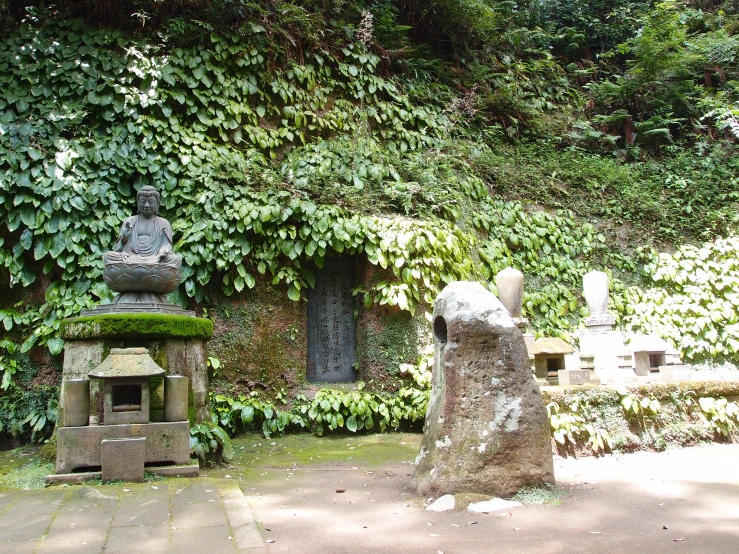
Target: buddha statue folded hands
142 266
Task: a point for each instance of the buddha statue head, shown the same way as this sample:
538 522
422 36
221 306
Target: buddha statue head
147 200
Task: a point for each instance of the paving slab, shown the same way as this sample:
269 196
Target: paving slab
6 499
29 516
143 506
139 538
18 547
193 490
244 528
84 517
180 515
80 546
197 515
197 541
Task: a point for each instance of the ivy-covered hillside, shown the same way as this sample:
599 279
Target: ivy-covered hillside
441 140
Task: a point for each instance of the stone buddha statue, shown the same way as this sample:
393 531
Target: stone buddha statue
142 266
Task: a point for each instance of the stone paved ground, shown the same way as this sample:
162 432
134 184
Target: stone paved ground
180 515
675 501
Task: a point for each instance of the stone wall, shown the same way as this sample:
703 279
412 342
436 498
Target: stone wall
260 338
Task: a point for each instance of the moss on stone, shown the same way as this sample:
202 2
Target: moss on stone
260 341
47 453
123 326
388 337
677 422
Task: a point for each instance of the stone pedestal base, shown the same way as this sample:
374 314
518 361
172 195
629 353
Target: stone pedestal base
569 377
79 447
176 343
605 347
674 373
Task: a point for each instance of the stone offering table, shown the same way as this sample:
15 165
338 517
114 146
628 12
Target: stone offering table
486 427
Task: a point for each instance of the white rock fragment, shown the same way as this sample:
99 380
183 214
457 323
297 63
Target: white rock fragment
492 505
442 504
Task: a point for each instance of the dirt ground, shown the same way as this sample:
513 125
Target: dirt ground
349 494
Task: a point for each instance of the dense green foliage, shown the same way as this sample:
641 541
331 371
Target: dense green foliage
441 140
692 300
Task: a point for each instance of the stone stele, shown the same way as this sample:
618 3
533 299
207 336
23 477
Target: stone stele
486 427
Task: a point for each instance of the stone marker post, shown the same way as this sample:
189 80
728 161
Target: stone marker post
486 427
510 292
599 338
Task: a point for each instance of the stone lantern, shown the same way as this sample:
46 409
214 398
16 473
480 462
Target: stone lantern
127 439
126 374
549 363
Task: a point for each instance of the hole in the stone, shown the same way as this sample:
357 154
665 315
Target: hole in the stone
159 464
656 360
86 469
126 398
554 365
440 329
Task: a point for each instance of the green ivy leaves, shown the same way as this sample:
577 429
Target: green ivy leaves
692 301
89 116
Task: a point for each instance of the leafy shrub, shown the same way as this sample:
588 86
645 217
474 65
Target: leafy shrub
693 300
570 426
235 414
356 410
29 414
210 442
721 416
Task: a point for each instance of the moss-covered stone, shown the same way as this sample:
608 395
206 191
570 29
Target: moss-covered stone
123 326
260 340
387 337
47 453
678 420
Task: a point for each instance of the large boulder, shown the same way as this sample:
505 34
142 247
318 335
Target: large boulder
486 428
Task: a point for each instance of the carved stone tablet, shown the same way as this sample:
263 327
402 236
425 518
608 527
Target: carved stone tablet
332 329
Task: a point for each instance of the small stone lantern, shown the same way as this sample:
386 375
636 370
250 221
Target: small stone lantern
126 374
549 359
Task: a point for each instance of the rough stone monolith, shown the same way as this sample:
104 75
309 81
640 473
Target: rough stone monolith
486 427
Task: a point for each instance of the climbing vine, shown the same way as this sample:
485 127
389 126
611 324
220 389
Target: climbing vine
692 300
89 116
270 164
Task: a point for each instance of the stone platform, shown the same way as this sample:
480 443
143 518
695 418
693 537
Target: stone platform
79 447
190 470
